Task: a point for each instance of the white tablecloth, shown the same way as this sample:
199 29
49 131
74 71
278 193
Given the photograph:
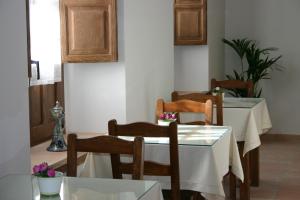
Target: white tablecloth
25 187
249 118
201 167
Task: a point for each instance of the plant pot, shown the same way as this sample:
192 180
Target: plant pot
50 186
164 123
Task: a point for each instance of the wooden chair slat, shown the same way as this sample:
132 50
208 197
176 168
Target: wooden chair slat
234 84
150 167
202 97
186 105
107 144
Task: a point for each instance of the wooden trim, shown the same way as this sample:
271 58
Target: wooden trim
28 38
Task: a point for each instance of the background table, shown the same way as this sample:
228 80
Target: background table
249 118
24 187
205 154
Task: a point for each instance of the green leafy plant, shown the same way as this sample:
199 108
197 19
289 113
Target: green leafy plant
259 64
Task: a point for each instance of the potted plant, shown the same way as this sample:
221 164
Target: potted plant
166 118
259 64
49 180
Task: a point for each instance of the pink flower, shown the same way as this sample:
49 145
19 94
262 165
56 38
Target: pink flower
173 116
36 169
162 116
51 172
43 167
168 116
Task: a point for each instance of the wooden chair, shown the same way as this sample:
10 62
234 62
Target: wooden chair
218 102
254 154
234 84
202 97
152 130
186 106
108 144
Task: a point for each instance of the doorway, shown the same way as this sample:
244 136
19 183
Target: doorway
45 70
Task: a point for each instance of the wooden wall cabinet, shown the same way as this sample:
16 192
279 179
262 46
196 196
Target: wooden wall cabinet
190 22
88 30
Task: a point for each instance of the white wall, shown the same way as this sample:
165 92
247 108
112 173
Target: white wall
271 23
216 32
196 65
126 90
149 56
191 68
95 92
14 114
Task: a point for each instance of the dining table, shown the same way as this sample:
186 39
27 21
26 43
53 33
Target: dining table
205 155
249 119
25 187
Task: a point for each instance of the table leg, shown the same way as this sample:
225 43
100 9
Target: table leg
244 186
232 186
254 167
197 196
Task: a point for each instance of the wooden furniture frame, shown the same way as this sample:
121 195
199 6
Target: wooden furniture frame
89 30
186 106
202 97
190 22
152 130
234 84
108 144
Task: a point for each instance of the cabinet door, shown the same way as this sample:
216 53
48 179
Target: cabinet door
190 24
189 2
89 30
42 98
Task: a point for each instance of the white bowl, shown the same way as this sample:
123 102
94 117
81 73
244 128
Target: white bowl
50 185
164 123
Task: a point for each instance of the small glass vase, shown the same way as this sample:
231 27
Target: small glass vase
50 186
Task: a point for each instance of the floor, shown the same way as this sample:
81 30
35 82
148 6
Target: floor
279 168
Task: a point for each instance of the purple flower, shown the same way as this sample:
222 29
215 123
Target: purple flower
162 116
43 167
168 116
36 169
173 116
51 172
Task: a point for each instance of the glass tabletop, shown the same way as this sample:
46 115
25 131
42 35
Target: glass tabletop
233 102
192 135
24 187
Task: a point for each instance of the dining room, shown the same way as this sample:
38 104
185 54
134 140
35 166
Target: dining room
249 151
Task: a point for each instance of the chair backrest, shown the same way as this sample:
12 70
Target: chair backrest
202 97
234 84
190 106
152 130
107 144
